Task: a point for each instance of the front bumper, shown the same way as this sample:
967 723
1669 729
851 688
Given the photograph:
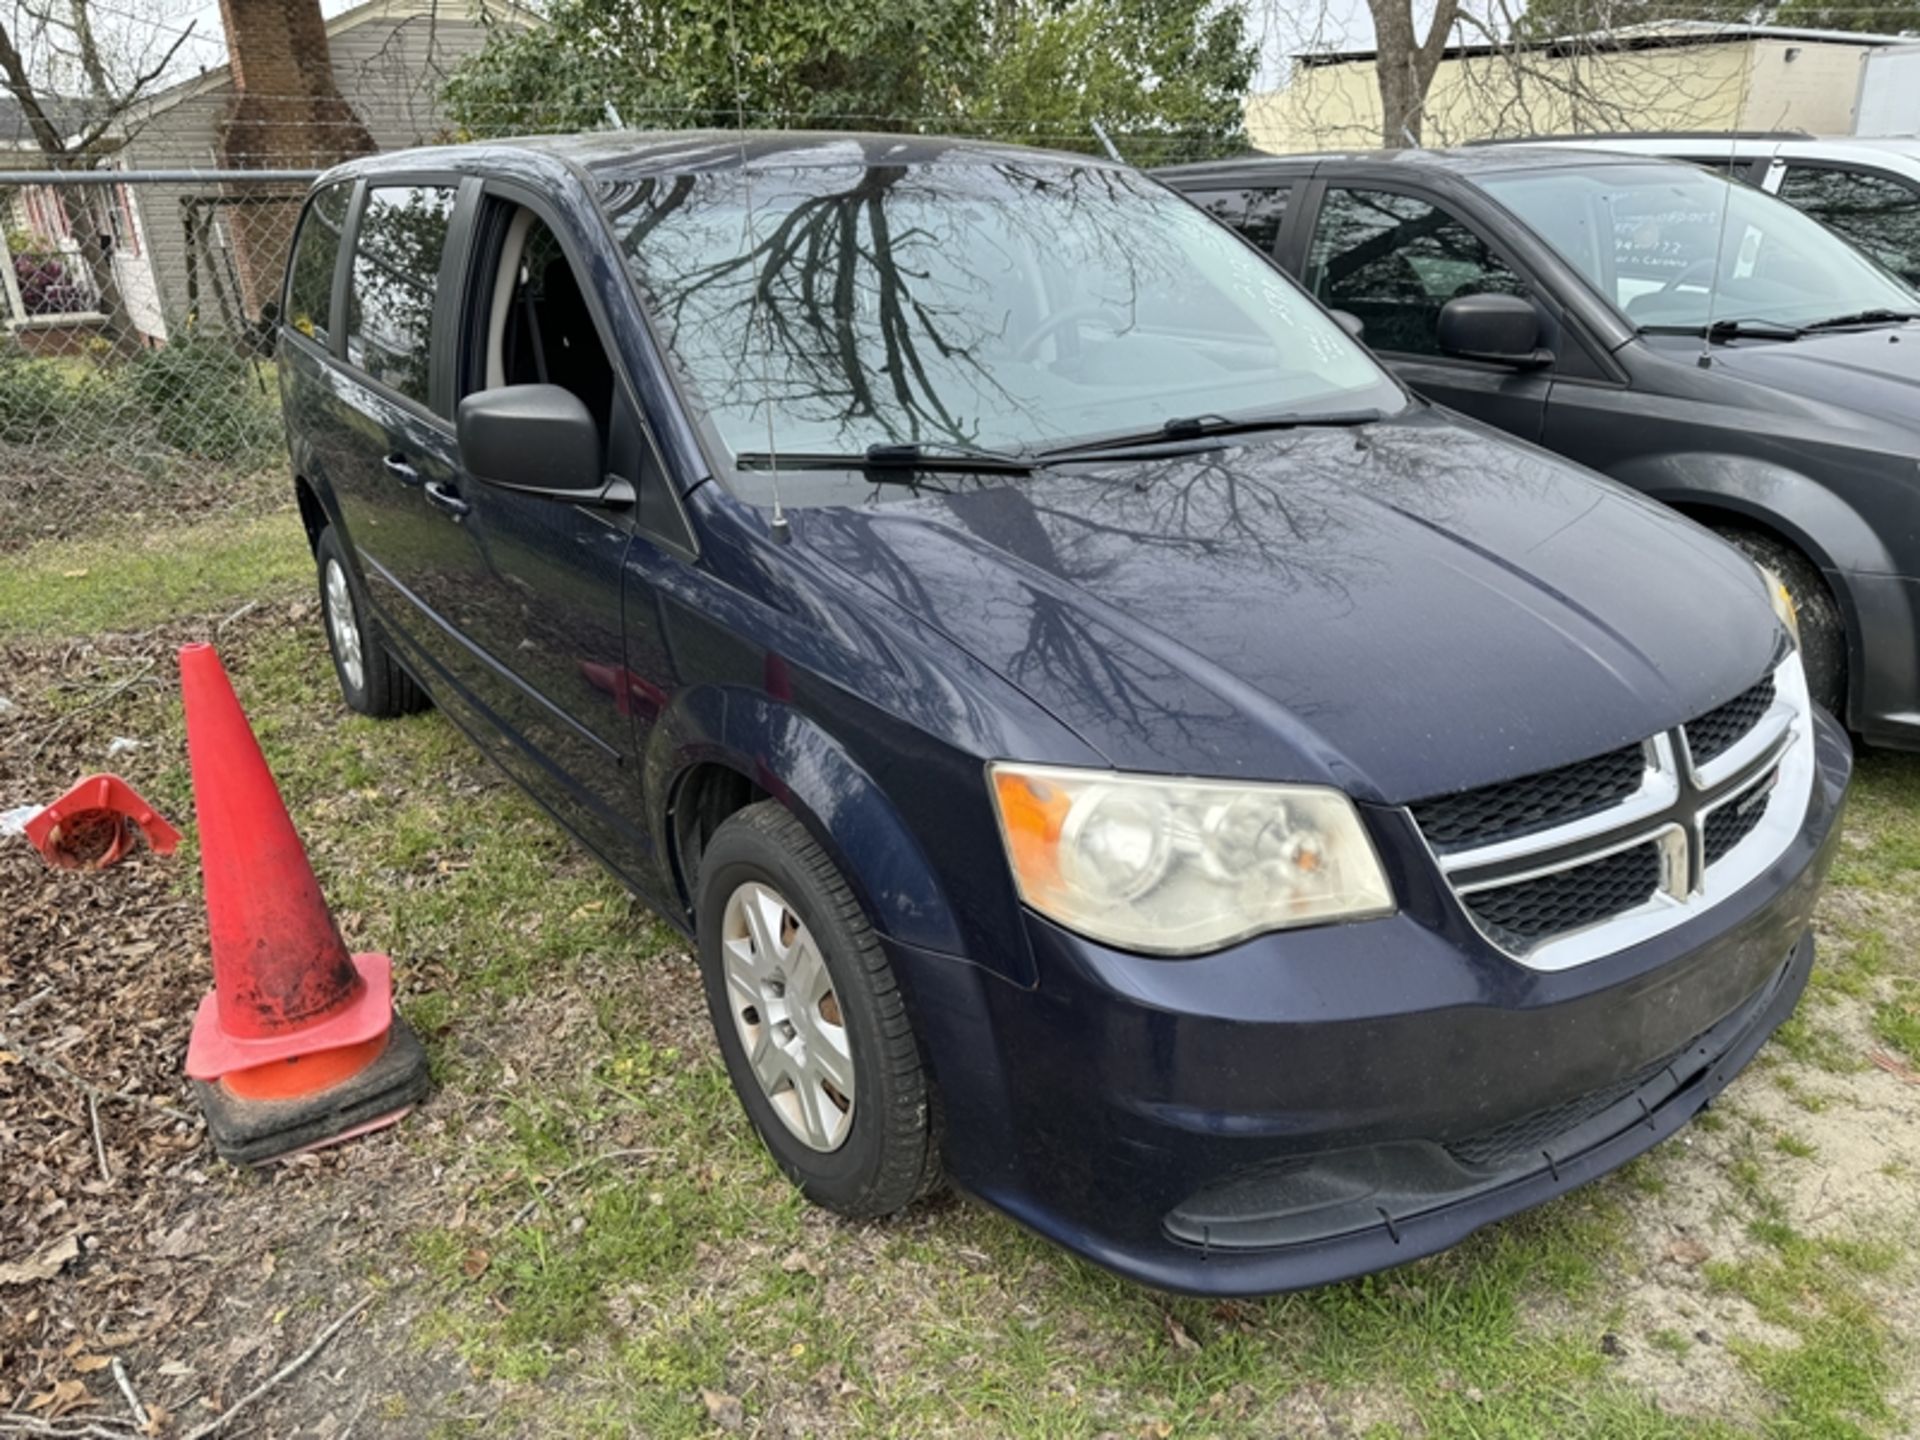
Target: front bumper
1308 1107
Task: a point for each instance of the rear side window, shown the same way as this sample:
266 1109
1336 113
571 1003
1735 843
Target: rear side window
1878 214
396 269
1393 261
1256 214
310 278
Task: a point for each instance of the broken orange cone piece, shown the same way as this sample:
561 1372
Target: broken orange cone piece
92 825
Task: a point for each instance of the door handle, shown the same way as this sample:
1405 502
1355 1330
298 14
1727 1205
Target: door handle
397 463
445 497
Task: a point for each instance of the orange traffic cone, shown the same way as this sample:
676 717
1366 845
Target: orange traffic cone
298 1044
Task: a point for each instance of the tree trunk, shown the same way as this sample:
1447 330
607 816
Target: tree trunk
1404 64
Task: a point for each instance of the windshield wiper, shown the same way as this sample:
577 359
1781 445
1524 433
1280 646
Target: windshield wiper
1721 331
1204 427
907 455
1863 317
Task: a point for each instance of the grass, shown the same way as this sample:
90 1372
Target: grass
127 582
627 1258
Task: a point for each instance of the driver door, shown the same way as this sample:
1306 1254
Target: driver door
539 589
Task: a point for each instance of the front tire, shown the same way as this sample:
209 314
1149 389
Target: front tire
371 680
810 1020
1823 633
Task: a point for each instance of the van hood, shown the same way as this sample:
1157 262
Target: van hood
1873 371
1401 611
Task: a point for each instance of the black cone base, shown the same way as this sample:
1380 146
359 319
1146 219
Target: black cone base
250 1132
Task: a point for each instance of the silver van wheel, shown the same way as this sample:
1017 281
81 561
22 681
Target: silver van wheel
343 627
787 1015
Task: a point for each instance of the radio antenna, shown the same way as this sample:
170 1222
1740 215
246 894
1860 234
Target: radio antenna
782 533
1705 362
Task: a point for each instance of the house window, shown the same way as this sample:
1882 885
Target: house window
47 213
126 230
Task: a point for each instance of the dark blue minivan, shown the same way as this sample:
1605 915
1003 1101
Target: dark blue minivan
1111 745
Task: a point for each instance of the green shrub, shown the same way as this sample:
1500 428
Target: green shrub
48 404
205 399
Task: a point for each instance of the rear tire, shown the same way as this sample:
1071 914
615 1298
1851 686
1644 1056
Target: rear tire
371 680
1823 633
811 1023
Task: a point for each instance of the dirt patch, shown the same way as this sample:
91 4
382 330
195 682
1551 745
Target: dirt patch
41 501
1832 1152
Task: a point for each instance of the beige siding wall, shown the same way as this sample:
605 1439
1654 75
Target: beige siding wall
1724 86
1814 90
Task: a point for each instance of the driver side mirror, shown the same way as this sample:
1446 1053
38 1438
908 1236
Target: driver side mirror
1498 329
536 439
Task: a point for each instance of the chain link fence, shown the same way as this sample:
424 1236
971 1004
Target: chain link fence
136 364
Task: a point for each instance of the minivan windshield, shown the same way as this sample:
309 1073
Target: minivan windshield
1673 246
1003 304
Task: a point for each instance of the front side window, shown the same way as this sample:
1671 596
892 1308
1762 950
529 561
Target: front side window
1673 247
1393 261
396 268
1011 304
310 278
1875 212
1255 213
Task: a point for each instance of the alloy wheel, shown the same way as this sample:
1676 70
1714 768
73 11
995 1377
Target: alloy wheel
343 626
787 1016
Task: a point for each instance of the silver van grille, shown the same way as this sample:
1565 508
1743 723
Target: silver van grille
1560 868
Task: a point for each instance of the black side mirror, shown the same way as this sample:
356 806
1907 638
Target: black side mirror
537 439
1499 329
1349 322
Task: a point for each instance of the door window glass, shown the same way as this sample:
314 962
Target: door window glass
1879 214
539 330
310 282
396 269
1256 214
1393 261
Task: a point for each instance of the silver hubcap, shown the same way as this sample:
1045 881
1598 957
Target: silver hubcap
787 1016
341 625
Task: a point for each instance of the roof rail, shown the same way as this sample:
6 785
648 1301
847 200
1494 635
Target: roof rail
1649 135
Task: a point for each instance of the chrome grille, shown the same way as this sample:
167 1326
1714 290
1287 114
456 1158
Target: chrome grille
1533 802
1714 732
1523 914
1554 877
1731 823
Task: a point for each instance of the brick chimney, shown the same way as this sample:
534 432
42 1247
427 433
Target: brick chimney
286 113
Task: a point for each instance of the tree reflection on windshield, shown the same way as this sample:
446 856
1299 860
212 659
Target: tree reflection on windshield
985 299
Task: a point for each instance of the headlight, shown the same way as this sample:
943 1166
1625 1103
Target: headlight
1177 867
1782 598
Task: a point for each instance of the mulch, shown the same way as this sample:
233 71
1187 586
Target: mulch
125 1246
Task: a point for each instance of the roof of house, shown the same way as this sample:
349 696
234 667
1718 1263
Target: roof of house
68 114
1654 35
